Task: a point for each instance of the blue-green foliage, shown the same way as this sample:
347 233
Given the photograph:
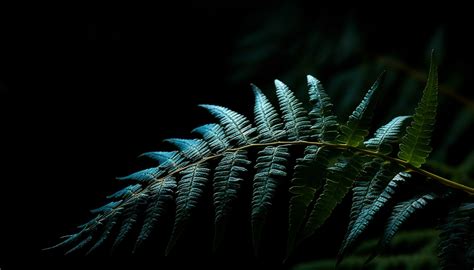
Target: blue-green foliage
415 145
357 126
296 118
325 122
190 190
271 166
330 159
228 178
161 197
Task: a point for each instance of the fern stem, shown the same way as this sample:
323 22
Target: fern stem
406 165
440 179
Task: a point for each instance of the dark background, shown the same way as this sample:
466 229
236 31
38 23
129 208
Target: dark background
82 95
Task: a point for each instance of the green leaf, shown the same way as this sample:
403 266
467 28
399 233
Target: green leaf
227 183
325 122
338 182
190 190
401 212
296 119
237 127
130 217
111 222
414 147
360 190
268 122
271 169
160 199
386 135
367 190
357 126
214 136
308 178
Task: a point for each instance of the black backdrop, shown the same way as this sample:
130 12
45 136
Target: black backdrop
83 94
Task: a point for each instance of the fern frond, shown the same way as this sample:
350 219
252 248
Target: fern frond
192 149
111 222
325 122
107 207
414 147
160 156
401 212
228 177
268 122
338 182
368 199
160 198
130 217
125 192
297 123
215 137
271 169
359 193
237 127
308 178
335 159
356 127
387 135
80 245
142 176
190 190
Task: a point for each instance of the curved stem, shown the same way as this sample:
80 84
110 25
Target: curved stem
438 178
404 164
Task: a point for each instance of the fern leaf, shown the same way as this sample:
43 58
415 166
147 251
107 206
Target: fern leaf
192 149
296 119
356 127
325 122
80 245
271 168
227 181
130 217
237 128
160 156
161 196
177 160
456 248
267 120
378 195
414 147
70 239
190 190
308 178
386 135
125 192
338 182
359 193
106 208
111 222
401 212
143 175
214 135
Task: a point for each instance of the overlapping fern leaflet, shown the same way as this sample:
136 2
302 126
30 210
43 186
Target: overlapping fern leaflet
414 147
328 159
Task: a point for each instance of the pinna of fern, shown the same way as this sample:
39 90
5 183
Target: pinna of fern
334 158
